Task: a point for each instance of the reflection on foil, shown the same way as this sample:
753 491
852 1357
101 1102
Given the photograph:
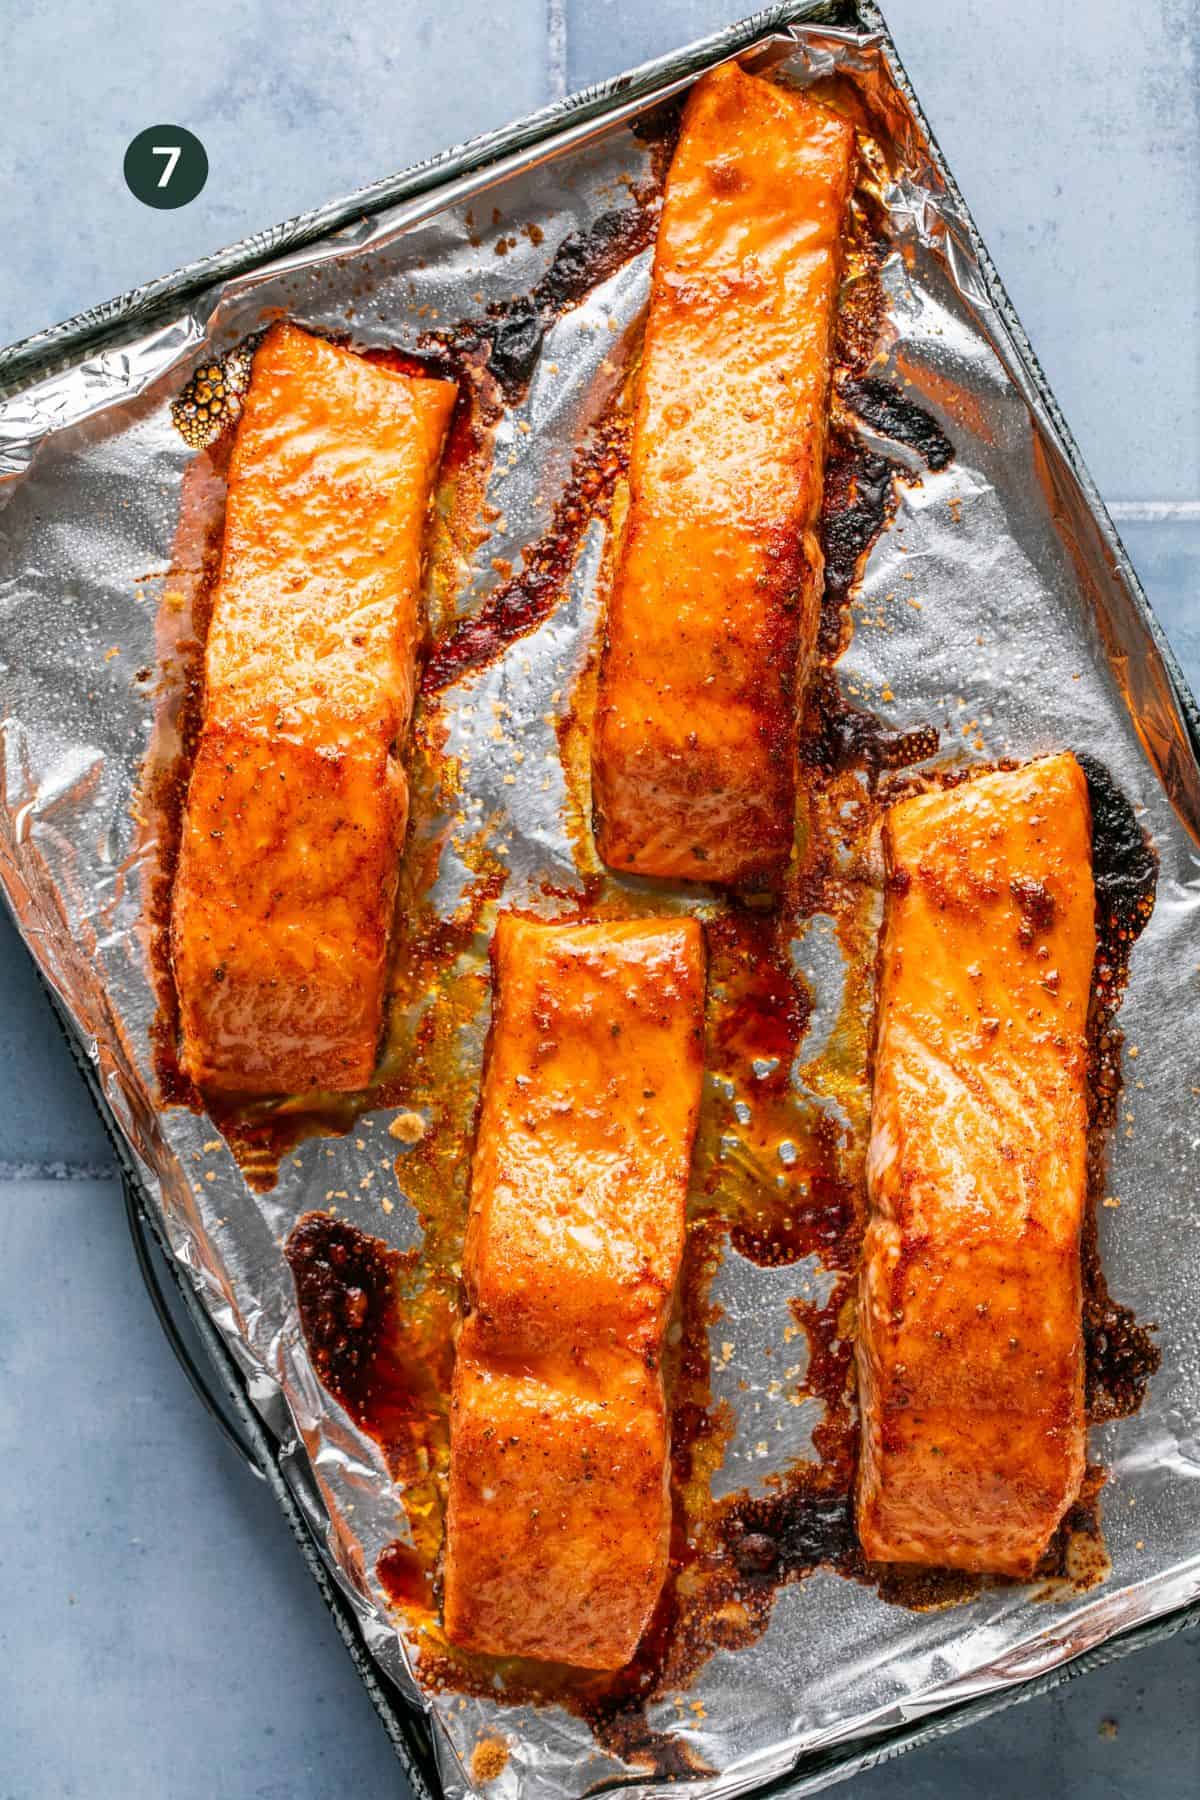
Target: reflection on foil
989 620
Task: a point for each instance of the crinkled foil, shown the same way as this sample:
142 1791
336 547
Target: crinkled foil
1021 638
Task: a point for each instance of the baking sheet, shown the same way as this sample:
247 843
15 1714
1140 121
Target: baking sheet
1023 632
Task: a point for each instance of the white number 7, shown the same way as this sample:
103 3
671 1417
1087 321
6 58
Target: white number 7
172 153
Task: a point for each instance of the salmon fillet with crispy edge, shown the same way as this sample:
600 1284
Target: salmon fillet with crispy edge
558 1519
970 1342
297 804
716 594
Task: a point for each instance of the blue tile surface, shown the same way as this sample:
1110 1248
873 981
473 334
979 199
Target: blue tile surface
47 1120
159 1636
295 104
1166 555
1074 132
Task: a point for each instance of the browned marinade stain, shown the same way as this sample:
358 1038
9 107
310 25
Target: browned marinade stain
511 333
181 628
1121 1355
387 1360
521 603
658 129
1076 1558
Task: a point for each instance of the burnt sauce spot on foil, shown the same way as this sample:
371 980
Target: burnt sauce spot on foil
1120 1353
890 411
181 630
658 129
346 1289
511 333
861 495
387 1360
860 500
521 602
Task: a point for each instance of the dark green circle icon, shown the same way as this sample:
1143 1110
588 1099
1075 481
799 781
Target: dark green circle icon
165 166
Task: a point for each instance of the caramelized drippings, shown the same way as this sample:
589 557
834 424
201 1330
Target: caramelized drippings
181 629
512 332
387 1360
522 602
405 1579
1121 1355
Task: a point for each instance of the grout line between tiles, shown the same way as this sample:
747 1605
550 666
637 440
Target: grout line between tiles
556 50
58 1171
1155 512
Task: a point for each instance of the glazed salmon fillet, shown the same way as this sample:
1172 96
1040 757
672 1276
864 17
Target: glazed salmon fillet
718 577
297 805
558 1519
970 1346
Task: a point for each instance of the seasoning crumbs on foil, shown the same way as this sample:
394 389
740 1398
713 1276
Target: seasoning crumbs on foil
489 1760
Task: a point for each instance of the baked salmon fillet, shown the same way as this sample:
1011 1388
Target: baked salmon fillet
558 1519
970 1342
718 576
297 804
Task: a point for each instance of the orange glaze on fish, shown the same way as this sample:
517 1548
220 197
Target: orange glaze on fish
717 589
297 805
558 1519
970 1348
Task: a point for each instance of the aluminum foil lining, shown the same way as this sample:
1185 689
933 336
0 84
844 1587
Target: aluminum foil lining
1023 632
